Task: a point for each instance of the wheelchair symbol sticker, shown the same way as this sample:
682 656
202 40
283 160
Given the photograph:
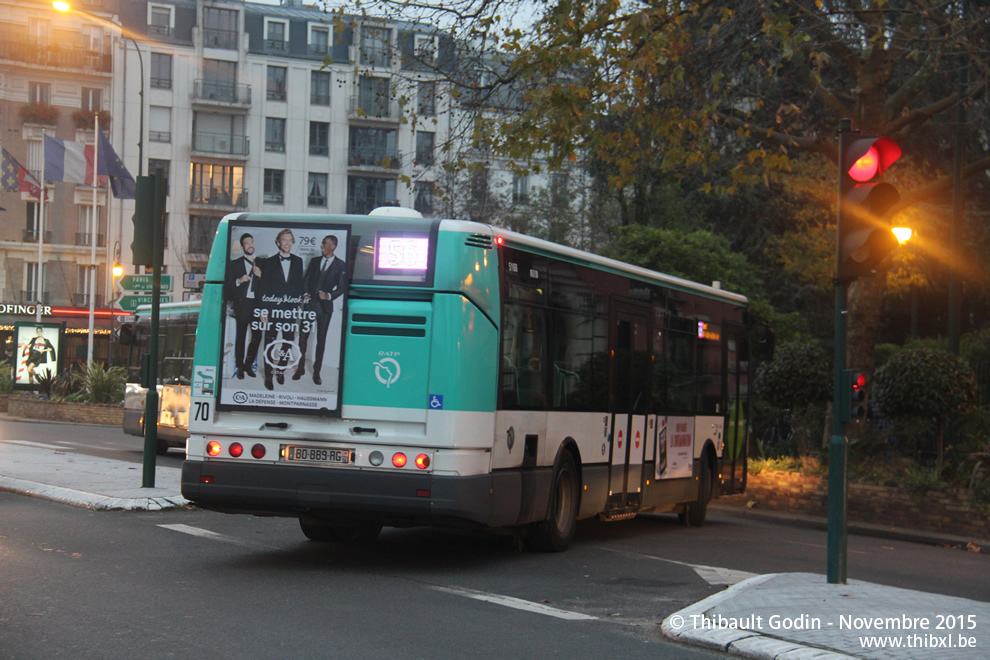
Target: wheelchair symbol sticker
436 402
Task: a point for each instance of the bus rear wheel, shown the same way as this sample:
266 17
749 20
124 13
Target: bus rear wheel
326 532
554 534
696 511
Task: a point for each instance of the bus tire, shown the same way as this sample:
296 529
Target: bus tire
696 511
325 532
554 534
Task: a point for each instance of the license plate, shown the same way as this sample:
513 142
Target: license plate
323 455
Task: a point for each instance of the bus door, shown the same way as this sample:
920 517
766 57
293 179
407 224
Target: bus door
629 390
735 455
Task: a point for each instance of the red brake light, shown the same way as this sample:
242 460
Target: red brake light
399 460
422 461
236 449
258 451
213 448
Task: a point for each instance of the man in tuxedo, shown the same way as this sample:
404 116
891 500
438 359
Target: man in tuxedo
282 290
326 280
243 277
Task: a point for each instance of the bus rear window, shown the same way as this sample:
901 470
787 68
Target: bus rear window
395 253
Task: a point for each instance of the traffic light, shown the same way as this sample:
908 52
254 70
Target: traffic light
865 237
142 248
853 395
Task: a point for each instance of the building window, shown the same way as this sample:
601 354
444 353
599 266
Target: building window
30 293
161 71
40 93
160 20
426 96
319 88
365 194
372 147
424 149
376 46
202 230
319 138
317 189
85 229
275 134
220 28
374 96
520 189
159 124
275 36
218 184
319 40
426 49
274 185
423 197
220 81
92 99
276 83
156 165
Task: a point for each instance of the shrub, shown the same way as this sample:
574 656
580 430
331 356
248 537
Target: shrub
102 385
924 383
6 377
799 374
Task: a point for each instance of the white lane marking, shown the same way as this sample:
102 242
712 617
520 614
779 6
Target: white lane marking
516 603
28 443
710 574
203 533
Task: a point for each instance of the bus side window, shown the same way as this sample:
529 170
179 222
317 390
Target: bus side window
523 342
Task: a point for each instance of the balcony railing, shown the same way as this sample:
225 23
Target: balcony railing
222 144
373 157
207 194
221 92
217 38
85 238
35 53
372 107
82 300
28 297
31 236
160 31
275 46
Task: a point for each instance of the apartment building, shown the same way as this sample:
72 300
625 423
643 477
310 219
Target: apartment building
243 106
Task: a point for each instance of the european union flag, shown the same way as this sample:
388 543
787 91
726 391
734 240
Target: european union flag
109 164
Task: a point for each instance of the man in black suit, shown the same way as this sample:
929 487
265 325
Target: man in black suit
243 277
326 280
283 294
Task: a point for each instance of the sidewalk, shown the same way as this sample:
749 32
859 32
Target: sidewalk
86 481
780 615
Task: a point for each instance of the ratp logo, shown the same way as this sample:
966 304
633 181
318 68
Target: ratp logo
387 371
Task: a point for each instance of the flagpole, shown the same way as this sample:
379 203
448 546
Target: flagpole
39 214
92 242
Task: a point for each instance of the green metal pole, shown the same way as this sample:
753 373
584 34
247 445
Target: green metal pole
838 453
151 401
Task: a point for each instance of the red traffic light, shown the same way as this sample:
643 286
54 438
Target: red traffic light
870 157
858 382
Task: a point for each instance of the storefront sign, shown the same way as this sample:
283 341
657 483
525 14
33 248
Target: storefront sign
29 310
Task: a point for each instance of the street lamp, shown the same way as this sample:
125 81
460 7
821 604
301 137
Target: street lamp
66 7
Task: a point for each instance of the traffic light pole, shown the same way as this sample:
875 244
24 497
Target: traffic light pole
151 377
838 449
838 452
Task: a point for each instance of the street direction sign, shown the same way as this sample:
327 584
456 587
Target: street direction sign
125 318
130 303
144 282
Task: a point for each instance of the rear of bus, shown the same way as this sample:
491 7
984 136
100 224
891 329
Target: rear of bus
394 425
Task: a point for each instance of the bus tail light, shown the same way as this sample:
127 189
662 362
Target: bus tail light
422 461
258 450
213 448
236 449
399 459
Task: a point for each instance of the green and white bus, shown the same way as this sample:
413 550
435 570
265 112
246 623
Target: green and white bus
466 376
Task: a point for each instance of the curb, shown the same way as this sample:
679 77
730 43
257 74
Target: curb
91 501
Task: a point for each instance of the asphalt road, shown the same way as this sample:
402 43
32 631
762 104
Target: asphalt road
179 583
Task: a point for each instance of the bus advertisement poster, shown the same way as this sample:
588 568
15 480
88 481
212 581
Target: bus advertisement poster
284 298
39 353
675 447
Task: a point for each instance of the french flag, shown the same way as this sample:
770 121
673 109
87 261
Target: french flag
69 161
